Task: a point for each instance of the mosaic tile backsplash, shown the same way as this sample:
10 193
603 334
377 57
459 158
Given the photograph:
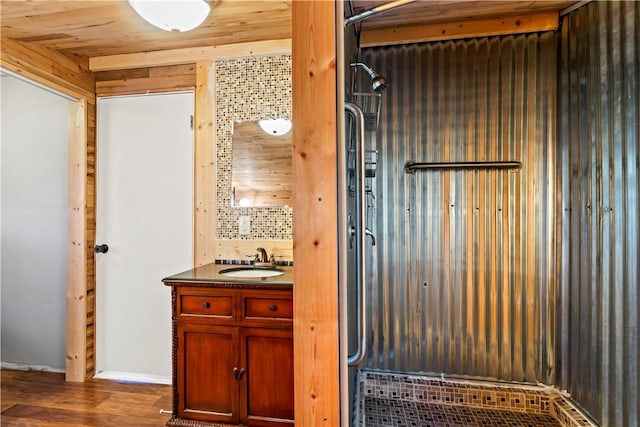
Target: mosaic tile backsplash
392 399
251 88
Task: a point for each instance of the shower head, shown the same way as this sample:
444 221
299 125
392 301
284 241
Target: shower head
378 82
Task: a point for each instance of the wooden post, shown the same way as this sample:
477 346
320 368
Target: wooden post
76 358
205 165
316 335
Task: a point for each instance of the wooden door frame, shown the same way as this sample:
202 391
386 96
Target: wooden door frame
78 302
72 79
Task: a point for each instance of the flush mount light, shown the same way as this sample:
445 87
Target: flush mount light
275 127
172 15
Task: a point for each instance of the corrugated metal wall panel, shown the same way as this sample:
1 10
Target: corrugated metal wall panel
462 279
599 188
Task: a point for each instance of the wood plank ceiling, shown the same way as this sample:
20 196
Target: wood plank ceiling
100 28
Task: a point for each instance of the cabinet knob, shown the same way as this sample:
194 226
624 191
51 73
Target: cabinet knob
206 305
273 307
238 373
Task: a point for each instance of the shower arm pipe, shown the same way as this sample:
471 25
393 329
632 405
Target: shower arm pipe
366 68
360 236
376 10
412 167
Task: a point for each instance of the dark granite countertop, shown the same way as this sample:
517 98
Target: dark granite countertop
209 274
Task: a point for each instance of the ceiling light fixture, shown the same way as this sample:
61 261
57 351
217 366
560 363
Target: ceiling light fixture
172 15
276 127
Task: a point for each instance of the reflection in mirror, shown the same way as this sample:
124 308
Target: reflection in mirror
261 168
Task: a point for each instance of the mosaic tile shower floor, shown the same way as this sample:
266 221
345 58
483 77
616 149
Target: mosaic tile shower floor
395 413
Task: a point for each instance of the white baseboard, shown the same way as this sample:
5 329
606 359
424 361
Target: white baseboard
133 377
22 367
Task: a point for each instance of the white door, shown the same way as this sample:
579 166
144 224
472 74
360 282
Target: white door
145 217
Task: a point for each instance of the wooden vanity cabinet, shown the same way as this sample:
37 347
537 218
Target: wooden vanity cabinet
233 356
267 391
207 390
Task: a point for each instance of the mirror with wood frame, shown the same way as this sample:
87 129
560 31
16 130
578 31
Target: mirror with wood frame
261 167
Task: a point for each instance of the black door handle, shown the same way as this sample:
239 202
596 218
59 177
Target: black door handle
101 249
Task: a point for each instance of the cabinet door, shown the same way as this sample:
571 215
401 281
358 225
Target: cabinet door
207 387
267 387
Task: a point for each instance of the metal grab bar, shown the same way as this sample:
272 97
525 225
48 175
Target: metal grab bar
376 10
412 167
361 202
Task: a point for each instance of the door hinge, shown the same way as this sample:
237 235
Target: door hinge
191 121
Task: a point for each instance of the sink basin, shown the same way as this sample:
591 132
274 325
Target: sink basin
252 272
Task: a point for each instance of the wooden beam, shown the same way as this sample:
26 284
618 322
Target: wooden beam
205 165
76 353
65 74
459 30
189 55
315 225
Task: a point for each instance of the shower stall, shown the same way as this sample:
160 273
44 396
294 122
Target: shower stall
462 281
502 172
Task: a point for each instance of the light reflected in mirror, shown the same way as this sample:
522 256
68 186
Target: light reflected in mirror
261 168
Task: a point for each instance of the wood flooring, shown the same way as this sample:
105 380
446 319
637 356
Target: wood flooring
44 399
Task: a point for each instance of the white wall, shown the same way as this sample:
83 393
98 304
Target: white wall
34 225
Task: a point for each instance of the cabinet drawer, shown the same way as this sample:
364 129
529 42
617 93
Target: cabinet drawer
207 305
260 308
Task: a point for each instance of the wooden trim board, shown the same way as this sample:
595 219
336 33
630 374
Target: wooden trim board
458 30
189 55
205 165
